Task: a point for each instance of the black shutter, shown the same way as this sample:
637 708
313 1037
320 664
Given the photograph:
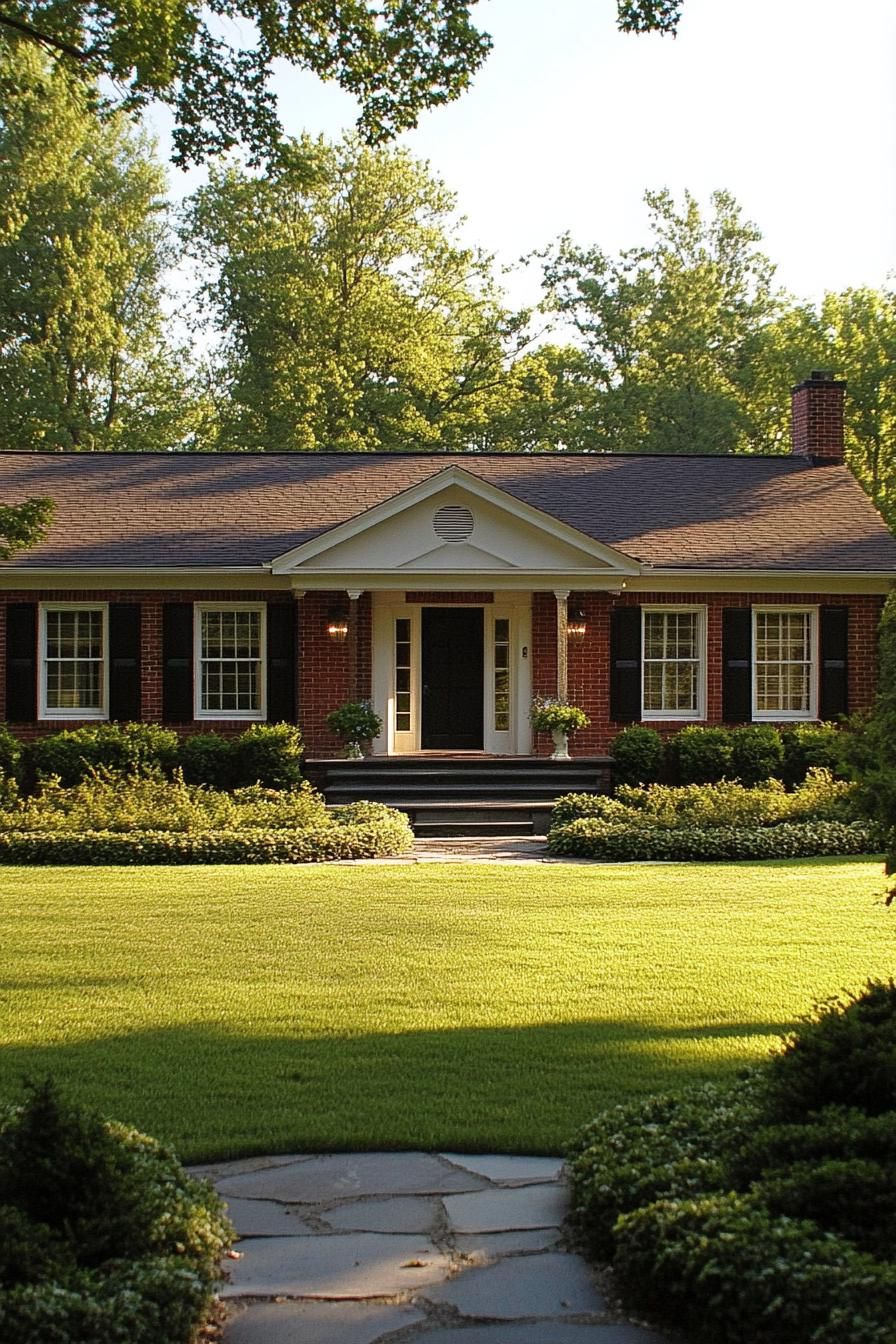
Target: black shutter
21 662
834 639
124 661
625 664
282 662
177 662
737 659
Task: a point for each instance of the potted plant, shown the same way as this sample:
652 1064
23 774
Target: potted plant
355 723
558 717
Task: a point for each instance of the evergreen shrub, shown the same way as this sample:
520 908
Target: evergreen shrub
113 1241
700 755
637 756
757 753
813 746
131 748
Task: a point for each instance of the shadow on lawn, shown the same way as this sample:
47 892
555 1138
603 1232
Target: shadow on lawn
213 1094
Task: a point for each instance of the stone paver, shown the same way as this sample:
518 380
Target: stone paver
402 1213
265 1218
553 1284
319 1322
340 1175
541 1332
509 1170
408 1248
352 1265
496 1210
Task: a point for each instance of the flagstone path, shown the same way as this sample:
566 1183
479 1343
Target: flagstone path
408 1248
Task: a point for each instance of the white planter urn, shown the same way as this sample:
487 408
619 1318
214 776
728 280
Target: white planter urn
353 751
561 745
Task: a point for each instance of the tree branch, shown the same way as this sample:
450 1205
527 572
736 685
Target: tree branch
45 39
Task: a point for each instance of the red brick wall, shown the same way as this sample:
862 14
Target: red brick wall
151 602
324 668
589 658
323 665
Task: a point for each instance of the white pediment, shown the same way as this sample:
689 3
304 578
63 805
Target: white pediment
496 534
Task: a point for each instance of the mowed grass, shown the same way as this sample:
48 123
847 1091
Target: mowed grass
238 1010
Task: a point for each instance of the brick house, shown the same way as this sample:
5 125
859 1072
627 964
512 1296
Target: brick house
209 592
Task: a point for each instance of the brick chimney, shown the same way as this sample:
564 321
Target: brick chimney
816 425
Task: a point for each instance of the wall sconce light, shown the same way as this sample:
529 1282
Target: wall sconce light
337 624
575 623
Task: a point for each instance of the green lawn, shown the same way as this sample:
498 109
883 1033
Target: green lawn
235 1010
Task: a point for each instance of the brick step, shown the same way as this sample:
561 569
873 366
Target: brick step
470 830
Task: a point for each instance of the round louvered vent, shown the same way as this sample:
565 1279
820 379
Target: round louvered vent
453 523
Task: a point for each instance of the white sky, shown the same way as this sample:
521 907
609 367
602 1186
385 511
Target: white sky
788 104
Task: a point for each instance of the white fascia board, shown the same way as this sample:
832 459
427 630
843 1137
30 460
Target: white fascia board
440 580
435 485
257 577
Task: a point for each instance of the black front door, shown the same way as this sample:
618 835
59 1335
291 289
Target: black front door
452 670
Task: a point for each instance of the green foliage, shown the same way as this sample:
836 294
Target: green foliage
396 60
595 839
845 1054
757 753
820 798
133 819
23 525
660 1147
151 802
85 362
132 748
356 721
637 755
268 754
724 1267
207 758
735 1225
348 313
854 1197
312 844
701 755
873 751
548 713
114 1241
11 755
812 746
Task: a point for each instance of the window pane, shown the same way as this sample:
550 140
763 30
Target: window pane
73 661
230 674
783 670
501 722
671 662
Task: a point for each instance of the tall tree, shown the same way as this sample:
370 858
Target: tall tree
397 57
349 315
672 331
860 325
83 361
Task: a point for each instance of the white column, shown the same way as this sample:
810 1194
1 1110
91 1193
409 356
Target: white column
354 594
562 596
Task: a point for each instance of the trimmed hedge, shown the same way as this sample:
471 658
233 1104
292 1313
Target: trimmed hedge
725 1268
71 755
703 755
105 1239
736 1227
315 844
593 838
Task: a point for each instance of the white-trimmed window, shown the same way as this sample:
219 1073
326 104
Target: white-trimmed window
74 660
230 662
785 663
673 662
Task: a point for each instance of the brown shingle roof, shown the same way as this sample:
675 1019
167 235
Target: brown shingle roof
233 510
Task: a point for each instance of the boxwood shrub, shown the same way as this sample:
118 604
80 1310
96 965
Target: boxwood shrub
72 754
106 1240
638 755
700 755
593 838
726 1268
736 1226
